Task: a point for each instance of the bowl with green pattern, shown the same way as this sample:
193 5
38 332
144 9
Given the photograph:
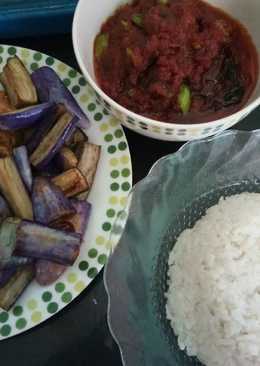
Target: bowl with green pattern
88 20
175 194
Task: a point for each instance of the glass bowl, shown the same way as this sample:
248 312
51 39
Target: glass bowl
174 195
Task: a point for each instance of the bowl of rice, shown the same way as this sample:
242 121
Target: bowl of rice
184 281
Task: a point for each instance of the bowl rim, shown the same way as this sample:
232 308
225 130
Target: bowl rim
225 120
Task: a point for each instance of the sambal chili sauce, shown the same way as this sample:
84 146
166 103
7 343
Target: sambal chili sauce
176 60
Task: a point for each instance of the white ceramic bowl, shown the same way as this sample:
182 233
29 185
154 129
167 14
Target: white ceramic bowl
88 19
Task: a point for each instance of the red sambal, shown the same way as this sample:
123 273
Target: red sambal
176 60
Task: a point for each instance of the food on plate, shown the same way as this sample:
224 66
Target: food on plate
67 159
7 143
71 182
18 84
179 61
89 155
47 122
4 209
51 89
79 221
213 284
48 272
5 105
14 190
38 241
25 117
77 138
15 286
53 140
22 161
49 202
41 168
12 262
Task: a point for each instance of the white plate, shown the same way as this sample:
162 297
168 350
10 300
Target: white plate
108 197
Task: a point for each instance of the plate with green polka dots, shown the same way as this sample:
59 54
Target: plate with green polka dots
108 197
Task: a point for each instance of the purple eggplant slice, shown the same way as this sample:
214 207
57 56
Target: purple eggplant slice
66 159
16 285
88 162
7 142
13 189
71 182
81 218
23 164
53 141
44 126
5 105
47 272
50 88
49 202
50 170
4 209
18 84
24 118
5 275
82 196
41 242
22 136
8 231
64 224
78 137
78 222
15 262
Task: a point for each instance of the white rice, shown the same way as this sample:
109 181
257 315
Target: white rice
213 301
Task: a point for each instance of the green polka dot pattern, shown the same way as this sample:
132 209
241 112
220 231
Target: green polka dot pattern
108 137
17 310
126 186
75 89
106 226
12 51
114 187
38 303
5 330
59 287
98 116
3 317
111 149
72 73
66 297
52 307
82 81
34 66
92 272
92 253
37 56
66 82
92 107
21 323
49 61
46 296
111 213
126 172
83 265
115 174
102 259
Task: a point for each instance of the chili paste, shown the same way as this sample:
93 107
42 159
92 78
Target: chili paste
181 61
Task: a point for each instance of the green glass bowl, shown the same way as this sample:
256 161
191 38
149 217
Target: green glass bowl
175 194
